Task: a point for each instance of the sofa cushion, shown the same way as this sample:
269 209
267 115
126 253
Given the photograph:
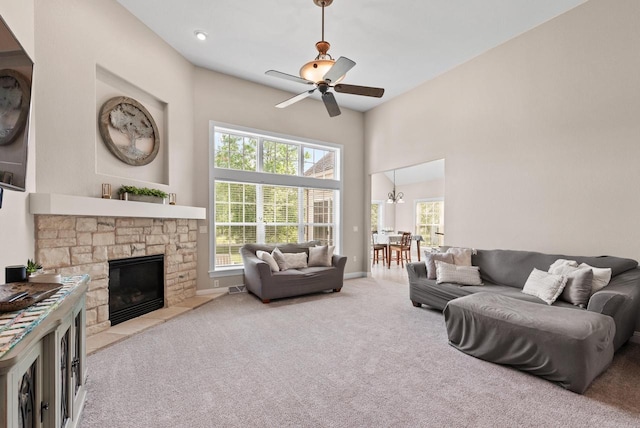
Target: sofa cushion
578 288
279 258
295 260
601 277
547 286
430 261
266 257
321 255
463 275
461 256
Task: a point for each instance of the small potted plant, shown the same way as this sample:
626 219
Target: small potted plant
144 194
33 268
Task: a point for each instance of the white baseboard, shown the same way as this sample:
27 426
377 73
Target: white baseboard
635 338
218 290
355 275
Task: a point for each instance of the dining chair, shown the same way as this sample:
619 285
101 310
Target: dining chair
377 248
402 250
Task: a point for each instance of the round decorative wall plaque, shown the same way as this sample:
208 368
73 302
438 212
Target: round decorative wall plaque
14 105
129 131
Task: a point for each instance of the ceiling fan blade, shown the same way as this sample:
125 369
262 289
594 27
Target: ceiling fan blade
339 68
367 91
295 99
331 104
286 76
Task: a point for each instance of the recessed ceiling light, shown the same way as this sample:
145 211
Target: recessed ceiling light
201 35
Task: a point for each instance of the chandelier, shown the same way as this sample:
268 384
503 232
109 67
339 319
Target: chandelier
395 198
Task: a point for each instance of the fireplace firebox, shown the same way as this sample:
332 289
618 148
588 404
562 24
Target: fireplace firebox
136 287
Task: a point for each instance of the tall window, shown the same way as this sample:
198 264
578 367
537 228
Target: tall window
377 215
268 189
430 221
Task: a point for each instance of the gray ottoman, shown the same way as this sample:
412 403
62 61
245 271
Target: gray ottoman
564 345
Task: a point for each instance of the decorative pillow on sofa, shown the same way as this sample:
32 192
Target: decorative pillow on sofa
544 285
321 255
430 262
578 288
461 256
266 257
295 260
562 262
601 277
279 258
463 275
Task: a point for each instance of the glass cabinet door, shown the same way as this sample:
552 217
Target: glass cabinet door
64 377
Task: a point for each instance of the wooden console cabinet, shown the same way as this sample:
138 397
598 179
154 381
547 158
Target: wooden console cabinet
42 377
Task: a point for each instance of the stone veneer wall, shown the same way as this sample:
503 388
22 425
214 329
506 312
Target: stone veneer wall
72 245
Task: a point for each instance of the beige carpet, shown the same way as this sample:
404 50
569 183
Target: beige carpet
364 357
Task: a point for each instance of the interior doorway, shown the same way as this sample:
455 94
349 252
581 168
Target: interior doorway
409 199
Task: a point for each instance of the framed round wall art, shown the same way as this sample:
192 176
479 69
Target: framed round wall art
15 94
129 131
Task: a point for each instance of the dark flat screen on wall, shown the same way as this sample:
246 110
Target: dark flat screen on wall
16 72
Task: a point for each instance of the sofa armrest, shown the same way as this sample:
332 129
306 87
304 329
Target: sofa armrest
339 262
621 301
416 271
255 271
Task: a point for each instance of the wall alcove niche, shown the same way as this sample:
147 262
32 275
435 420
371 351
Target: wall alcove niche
16 71
113 90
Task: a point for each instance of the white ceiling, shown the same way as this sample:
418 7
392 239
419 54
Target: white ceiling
396 45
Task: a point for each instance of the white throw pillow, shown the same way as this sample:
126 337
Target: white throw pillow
295 260
544 285
463 275
461 256
562 262
266 257
601 277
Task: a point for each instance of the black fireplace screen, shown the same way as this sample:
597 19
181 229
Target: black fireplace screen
136 287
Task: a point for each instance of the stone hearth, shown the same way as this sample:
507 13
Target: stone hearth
71 245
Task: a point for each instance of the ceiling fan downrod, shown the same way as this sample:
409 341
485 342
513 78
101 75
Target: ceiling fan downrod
323 46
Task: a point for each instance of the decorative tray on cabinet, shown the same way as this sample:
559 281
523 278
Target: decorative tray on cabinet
35 292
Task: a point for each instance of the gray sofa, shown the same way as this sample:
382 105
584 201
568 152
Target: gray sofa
561 342
506 271
267 285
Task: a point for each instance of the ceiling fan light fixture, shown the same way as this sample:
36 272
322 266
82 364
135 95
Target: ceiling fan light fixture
315 70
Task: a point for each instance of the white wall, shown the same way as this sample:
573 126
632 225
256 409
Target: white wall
16 224
540 135
229 100
73 39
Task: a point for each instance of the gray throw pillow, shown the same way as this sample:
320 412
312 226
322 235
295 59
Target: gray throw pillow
430 261
579 281
279 258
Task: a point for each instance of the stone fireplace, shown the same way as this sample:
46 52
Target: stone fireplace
78 244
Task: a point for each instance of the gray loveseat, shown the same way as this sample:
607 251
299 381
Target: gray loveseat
506 271
267 285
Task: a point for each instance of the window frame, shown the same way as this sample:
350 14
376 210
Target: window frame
415 212
266 178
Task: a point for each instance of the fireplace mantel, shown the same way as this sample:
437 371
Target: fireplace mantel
57 204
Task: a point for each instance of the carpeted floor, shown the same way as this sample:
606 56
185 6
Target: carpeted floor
364 357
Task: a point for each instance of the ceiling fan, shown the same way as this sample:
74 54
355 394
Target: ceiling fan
323 73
